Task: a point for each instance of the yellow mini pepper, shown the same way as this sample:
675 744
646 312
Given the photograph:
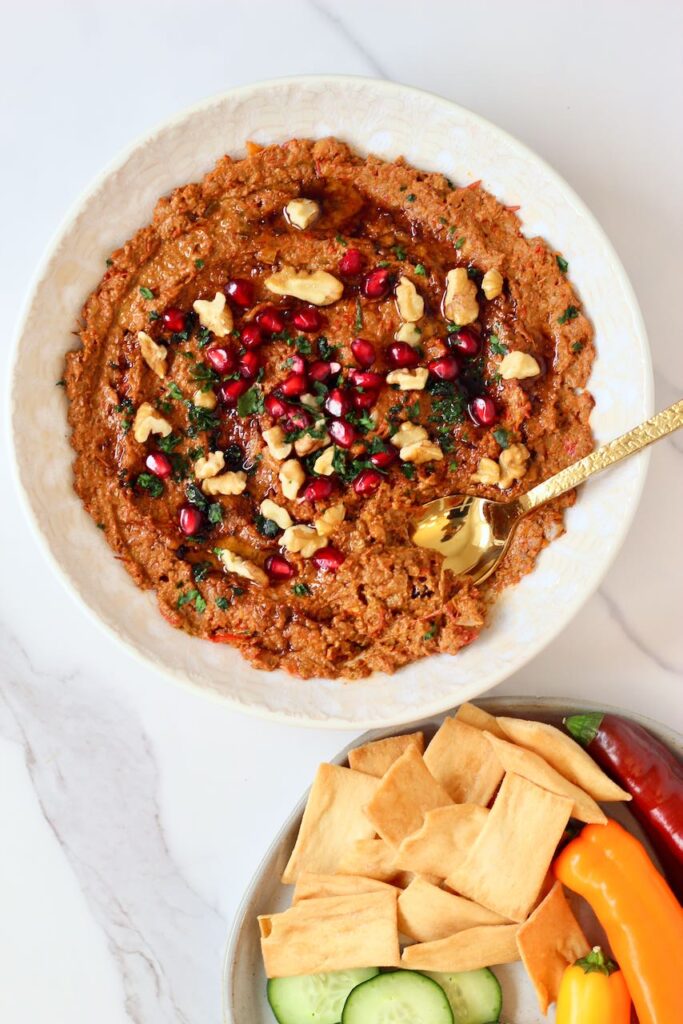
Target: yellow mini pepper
593 991
641 916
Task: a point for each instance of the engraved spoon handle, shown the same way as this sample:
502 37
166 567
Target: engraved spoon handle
633 441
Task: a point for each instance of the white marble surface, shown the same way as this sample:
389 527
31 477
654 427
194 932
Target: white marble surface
132 813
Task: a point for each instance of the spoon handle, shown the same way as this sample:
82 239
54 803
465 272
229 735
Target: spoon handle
633 441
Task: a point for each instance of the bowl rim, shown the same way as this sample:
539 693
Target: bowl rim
295 717
522 705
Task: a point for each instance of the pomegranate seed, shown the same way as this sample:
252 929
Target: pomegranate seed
342 433
351 263
278 568
363 352
159 464
445 367
329 559
308 320
250 365
402 355
296 418
367 482
251 336
294 385
321 370
271 320
174 320
383 459
364 399
376 284
231 390
275 406
483 411
337 402
318 489
190 520
241 292
366 378
221 359
465 341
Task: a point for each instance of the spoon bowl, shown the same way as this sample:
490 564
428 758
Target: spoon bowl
473 533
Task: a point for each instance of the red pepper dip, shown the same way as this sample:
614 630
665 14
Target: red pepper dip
293 357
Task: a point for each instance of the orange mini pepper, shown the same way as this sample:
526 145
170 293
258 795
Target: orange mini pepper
641 916
593 991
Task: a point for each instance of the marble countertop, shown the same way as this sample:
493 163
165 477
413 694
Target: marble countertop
133 813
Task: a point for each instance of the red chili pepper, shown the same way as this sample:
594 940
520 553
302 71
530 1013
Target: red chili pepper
650 772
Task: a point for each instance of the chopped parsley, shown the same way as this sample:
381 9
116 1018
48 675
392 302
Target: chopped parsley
266 527
340 240
577 346
383 264
153 315
399 252
61 383
175 392
215 513
458 244
203 337
497 346
302 345
167 444
238 591
301 590
109 262
431 632
251 402
502 436
195 497
234 457
199 264
408 470
192 596
196 453
100 526
200 570
358 322
442 220
420 270
562 264
570 313
360 419
453 465
325 350
200 419
203 374
150 483
222 603
146 293
411 197
451 231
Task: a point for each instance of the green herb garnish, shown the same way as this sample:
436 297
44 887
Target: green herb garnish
408 470
146 293
431 632
411 197
358 322
561 263
458 244
195 497
420 270
502 436
301 590
570 313
251 402
199 264
222 603
266 527
167 444
497 346
399 252
150 483
577 346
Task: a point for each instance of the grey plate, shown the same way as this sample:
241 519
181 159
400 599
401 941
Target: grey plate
244 981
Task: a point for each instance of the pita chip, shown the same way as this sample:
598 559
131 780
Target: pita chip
403 797
310 887
549 940
372 858
459 757
465 951
333 818
563 754
445 836
470 714
426 913
532 767
507 863
377 757
336 933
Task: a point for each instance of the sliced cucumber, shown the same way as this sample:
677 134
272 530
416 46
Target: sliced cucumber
475 996
401 997
317 998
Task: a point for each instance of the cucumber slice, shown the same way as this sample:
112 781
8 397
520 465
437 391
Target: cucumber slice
475 996
401 997
317 998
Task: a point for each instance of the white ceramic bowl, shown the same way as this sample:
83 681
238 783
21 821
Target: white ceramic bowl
388 120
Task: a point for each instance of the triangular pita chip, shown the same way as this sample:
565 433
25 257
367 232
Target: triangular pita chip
445 836
403 797
377 757
426 913
465 951
549 940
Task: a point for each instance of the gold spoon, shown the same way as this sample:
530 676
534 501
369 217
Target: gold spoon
473 533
